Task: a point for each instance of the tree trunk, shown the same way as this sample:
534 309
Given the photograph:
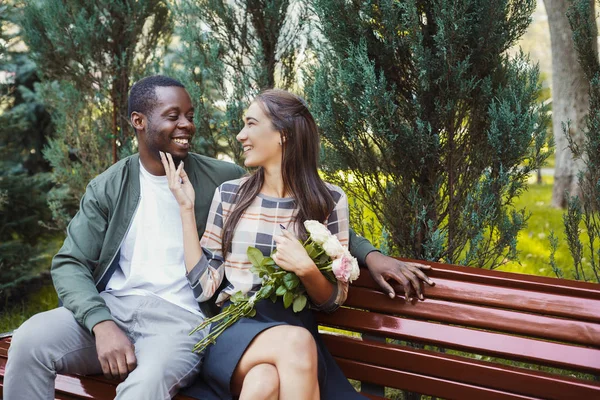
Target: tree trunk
570 100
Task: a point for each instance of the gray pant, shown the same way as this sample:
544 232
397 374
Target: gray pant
53 341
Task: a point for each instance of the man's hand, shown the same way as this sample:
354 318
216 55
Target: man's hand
408 274
115 351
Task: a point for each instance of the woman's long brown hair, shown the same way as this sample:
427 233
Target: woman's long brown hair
300 146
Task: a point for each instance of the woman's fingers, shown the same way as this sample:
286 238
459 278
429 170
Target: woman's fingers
164 162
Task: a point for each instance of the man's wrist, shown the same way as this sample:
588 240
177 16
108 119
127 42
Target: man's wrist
371 255
102 326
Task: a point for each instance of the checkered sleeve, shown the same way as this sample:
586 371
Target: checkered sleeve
207 275
338 224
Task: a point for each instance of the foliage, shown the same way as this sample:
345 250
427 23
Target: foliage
24 179
585 209
439 128
230 51
89 53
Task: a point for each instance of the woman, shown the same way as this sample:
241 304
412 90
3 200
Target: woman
278 353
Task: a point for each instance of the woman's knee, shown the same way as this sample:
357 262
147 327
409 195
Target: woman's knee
300 348
262 381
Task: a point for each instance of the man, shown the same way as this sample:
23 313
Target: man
128 307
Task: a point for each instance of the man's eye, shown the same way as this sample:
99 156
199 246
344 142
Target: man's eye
190 118
173 117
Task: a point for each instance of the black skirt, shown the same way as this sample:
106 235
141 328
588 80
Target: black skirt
223 356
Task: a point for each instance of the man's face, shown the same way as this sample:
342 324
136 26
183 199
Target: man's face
170 124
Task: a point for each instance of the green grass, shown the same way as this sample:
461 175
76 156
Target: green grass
15 312
533 243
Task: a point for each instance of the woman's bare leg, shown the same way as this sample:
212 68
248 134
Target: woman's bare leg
292 350
261 383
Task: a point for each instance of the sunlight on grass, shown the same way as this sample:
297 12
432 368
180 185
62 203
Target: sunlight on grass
18 311
533 243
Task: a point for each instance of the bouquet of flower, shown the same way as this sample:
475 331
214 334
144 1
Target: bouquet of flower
331 258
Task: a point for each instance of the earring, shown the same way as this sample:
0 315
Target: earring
280 143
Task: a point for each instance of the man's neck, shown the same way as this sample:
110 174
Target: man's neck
152 165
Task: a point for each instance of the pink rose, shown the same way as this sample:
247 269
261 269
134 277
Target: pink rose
342 268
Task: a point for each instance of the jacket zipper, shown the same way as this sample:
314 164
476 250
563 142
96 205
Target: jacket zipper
121 243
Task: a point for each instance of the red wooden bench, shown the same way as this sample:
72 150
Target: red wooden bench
480 335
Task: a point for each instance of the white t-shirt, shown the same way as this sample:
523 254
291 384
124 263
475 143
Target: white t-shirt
151 260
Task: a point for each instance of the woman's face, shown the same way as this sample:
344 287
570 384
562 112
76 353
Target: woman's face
261 141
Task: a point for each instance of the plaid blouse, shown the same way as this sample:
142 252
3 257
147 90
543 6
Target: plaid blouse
256 227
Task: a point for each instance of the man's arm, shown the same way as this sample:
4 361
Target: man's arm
72 274
72 267
384 268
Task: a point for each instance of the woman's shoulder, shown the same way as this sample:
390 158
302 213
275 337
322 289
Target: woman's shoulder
229 189
336 192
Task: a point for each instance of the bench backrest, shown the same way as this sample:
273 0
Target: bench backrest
479 334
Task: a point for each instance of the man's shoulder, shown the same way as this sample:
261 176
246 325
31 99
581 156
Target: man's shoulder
227 169
212 162
115 173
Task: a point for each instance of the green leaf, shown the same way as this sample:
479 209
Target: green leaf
268 262
267 290
273 297
255 256
258 270
238 297
290 280
299 303
288 298
281 290
252 313
311 250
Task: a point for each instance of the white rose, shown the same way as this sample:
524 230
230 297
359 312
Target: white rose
355 272
333 247
318 233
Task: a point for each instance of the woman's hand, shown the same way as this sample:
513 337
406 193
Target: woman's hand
179 183
292 256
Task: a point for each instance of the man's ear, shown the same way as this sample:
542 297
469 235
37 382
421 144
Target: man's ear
138 121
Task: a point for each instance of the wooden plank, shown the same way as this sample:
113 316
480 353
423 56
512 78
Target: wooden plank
478 342
579 305
422 384
515 280
512 280
478 373
558 329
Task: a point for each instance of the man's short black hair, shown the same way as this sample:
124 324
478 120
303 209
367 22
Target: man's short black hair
142 96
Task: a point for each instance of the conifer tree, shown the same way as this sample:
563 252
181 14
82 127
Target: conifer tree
230 51
24 178
585 206
89 53
429 121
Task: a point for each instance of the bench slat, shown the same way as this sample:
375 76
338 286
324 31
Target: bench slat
580 305
531 283
423 384
454 368
583 333
479 342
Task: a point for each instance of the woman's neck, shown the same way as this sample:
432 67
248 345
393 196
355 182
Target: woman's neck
273 183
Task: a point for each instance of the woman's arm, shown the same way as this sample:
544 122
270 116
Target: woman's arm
204 267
